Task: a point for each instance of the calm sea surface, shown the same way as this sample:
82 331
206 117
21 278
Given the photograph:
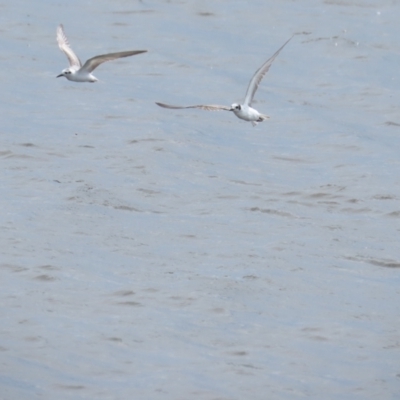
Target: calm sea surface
161 254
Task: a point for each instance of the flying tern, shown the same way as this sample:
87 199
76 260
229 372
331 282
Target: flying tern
242 111
78 73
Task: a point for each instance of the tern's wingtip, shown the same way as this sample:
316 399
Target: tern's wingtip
302 33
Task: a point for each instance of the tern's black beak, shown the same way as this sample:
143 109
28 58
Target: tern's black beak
58 76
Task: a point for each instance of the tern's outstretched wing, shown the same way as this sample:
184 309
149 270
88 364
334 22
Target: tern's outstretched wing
256 79
203 107
94 62
64 46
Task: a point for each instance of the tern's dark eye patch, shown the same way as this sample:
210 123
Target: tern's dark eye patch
238 107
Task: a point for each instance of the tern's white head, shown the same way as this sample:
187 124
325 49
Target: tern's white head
65 72
235 107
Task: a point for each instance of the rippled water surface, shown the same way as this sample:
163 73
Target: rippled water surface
182 254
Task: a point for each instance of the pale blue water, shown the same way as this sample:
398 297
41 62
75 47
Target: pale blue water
182 254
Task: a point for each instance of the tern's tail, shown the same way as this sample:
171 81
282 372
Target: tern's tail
261 118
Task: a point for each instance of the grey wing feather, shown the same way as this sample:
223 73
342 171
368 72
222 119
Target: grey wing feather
94 62
202 107
260 73
64 46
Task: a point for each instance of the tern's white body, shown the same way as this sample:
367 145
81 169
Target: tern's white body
78 75
248 113
77 72
243 111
